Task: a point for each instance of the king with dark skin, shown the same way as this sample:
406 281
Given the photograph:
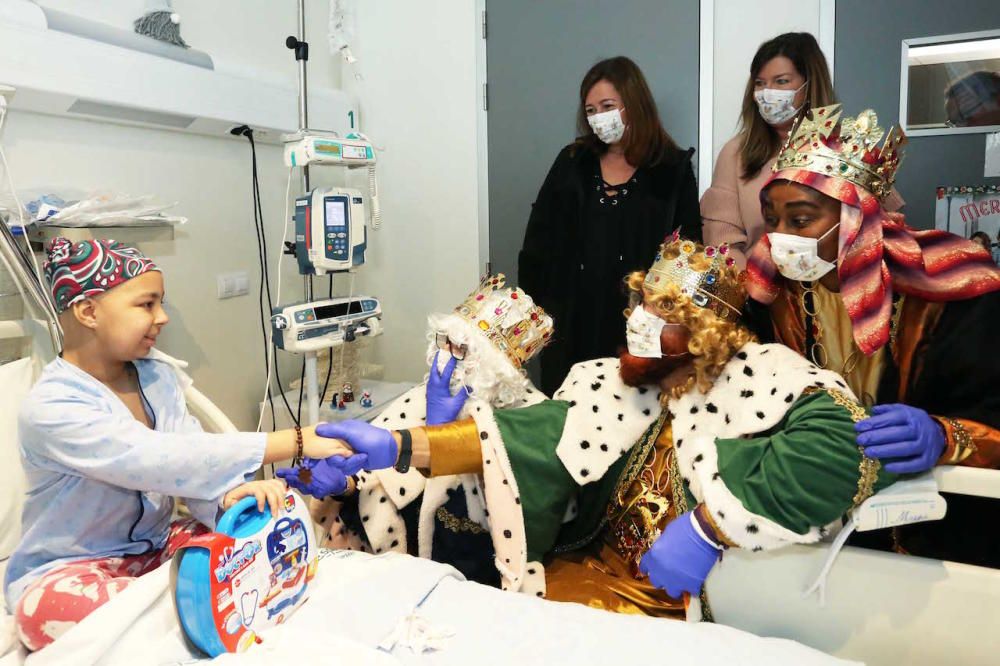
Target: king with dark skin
790 208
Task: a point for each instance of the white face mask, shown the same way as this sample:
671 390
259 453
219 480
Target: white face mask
642 333
797 257
777 106
608 126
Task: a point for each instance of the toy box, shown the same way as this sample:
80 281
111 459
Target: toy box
251 574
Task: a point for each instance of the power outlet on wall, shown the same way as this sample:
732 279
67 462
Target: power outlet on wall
229 285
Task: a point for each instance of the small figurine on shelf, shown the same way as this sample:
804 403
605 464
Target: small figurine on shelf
335 401
348 392
342 406
366 399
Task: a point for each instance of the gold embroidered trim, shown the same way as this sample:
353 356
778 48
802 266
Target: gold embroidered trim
636 463
894 321
706 610
633 466
677 485
868 467
964 446
453 523
856 411
634 513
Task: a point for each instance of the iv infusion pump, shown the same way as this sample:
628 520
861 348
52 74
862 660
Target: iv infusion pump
307 327
318 147
330 231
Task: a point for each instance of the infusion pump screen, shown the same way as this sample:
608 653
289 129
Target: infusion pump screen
338 310
336 212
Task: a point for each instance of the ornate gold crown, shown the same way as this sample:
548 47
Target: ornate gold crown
508 318
822 142
714 284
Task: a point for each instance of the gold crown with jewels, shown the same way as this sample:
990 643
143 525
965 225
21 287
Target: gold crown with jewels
824 143
707 275
508 318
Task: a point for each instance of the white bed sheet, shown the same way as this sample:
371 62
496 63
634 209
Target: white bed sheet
358 599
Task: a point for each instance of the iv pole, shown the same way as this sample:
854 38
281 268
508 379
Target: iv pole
301 48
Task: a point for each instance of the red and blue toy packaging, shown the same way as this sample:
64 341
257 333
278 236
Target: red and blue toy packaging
251 574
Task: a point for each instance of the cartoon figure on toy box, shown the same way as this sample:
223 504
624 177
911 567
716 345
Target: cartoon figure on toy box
251 574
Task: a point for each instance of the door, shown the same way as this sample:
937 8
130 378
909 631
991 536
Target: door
537 54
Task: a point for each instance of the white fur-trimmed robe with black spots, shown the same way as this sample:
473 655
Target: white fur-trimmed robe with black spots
383 494
740 419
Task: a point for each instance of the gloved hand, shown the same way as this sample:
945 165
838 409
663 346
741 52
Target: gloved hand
442 406
377 443
680 559
328 476
907 435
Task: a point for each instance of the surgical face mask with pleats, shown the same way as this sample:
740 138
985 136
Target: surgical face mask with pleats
777 106
642 333
608 126
797 257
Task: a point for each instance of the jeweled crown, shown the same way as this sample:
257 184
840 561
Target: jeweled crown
824 143
705 274
508 318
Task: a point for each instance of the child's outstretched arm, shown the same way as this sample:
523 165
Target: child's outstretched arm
73 436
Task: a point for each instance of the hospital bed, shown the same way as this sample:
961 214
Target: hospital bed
880 608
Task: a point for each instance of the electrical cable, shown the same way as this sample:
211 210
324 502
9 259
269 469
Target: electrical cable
259 215
271 365
329 365
262 265
28 254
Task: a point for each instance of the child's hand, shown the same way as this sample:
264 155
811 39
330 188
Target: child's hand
316 446
270 492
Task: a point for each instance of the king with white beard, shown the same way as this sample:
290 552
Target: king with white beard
445 517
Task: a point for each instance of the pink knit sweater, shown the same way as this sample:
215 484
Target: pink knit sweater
730 208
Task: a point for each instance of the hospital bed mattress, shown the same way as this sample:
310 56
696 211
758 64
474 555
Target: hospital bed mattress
359 599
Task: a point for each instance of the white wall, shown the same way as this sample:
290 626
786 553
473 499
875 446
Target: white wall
240 35
740 27
418 102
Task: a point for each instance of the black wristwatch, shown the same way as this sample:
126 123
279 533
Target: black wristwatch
405 452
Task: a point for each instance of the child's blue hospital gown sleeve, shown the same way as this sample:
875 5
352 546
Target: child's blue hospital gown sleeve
100 483
84 440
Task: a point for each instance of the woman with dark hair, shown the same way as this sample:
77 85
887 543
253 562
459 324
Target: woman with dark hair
787 75
607 203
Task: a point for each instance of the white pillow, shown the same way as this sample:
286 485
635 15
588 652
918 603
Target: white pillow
16 379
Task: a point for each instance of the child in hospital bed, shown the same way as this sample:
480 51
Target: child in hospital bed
107 442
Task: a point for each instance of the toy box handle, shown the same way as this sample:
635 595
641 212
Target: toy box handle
243 519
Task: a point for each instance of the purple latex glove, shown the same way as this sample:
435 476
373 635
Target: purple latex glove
442 406
680 559
377 443
328 475
908 436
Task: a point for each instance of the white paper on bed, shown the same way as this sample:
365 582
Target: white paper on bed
359 599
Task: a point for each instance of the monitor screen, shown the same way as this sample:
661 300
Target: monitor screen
336 212
333 310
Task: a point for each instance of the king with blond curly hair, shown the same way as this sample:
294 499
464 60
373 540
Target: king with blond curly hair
624 489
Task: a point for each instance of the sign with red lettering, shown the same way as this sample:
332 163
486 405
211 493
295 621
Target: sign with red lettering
967 210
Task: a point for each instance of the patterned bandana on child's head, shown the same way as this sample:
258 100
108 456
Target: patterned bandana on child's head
88 268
